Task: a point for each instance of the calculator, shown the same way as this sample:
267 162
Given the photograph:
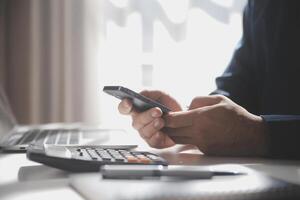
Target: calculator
90 158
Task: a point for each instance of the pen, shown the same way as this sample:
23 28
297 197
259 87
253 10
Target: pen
196 174
140 171
227 173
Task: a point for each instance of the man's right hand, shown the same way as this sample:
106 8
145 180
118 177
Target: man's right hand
150 122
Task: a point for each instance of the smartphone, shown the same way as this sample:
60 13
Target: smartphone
139 101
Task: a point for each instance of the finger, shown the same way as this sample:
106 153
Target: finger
125 107
185 135
203 101
144 118
179 119
182 140
149 130
160 140
162 98
178 132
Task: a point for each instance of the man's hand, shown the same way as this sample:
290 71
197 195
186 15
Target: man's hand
150 122
218 126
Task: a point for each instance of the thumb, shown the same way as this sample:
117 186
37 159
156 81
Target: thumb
179 119
203 101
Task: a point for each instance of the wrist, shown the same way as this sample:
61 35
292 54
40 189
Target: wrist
261 136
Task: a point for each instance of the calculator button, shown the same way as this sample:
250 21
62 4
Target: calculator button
154 157
116 155
120 159
125 153
93 154
132 159
106 158
143 159
104 155
112 151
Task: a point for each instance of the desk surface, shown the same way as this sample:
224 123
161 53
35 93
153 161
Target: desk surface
23 179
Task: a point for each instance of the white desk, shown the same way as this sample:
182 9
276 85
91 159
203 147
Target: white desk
23 179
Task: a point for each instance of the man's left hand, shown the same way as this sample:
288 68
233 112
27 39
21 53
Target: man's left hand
218 126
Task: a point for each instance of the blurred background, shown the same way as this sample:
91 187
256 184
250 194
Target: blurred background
56 55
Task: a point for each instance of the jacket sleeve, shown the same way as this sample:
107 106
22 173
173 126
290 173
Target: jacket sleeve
239 81
284 136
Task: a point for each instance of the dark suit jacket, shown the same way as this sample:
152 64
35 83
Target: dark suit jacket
264 73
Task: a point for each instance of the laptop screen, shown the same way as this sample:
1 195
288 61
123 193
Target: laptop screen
7 119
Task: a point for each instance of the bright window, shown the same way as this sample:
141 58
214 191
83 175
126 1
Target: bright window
178 46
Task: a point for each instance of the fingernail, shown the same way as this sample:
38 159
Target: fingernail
157 124
126 104
155 114
127 107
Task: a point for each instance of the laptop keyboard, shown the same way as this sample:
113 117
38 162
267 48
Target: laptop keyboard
29 137
50 136
115 156
41 137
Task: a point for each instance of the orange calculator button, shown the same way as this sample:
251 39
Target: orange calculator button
144 159
132 159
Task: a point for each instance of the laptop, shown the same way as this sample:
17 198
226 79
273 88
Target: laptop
16 138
